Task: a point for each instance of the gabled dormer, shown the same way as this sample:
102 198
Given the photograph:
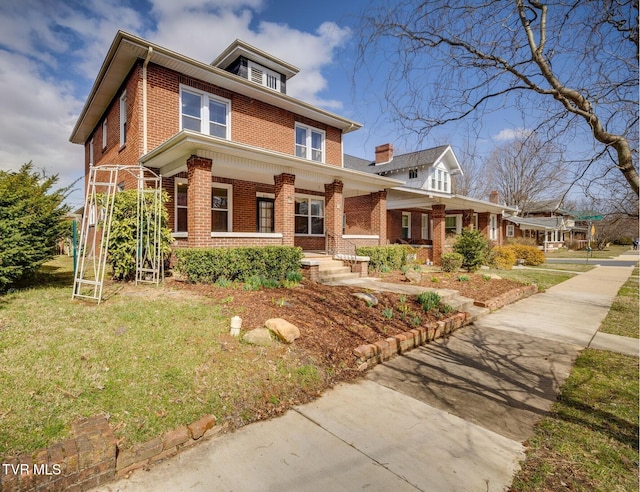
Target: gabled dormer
258 66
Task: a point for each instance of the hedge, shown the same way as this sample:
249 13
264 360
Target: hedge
530 254
206 265
392 257
502 257
451 262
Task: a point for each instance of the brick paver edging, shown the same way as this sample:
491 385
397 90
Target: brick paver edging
92 457
369 355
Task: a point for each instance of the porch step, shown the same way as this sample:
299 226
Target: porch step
331 270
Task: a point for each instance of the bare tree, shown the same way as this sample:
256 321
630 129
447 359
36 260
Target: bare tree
526 170
569 66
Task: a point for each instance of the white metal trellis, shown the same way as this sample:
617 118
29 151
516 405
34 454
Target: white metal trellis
102 186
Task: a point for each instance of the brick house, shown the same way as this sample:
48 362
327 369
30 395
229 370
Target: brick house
423 211
242 162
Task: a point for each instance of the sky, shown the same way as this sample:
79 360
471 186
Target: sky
51 51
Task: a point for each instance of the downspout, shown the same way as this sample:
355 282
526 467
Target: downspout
144 101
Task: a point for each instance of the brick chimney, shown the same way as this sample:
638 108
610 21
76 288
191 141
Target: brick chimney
494 196
384 153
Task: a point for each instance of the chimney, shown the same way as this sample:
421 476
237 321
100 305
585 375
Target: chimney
384 153
494 196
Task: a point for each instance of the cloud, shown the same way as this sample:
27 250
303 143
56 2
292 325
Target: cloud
507 134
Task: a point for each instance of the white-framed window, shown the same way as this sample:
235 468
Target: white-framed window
493 227
453 224
424 226
309 143
123 118
205 113
475 222
439 179
511 230
221 206
413 173
181 205
309 215
104 133
406 225
264 76
91 152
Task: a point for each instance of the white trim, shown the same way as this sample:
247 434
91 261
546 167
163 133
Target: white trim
493 227
424 230
256 235
177 235
91 152
360 236
205 97
510 230
458 218
264 73
104 134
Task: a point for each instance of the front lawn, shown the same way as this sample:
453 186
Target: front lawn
623 318
611 251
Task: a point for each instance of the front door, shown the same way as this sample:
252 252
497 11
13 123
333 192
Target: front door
265 215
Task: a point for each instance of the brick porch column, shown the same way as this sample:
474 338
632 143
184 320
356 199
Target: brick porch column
333 215
199 202
483 223
284 207
379 215
467 219
437 216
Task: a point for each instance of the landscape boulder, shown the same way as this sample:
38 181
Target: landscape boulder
370 299
258 336
413 276
285 331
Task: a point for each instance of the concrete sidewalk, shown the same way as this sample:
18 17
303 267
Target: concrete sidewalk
449 416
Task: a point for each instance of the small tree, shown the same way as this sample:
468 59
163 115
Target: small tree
30 222
473 247
123 237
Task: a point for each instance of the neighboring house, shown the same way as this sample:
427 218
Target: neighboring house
242 162
423 211
549 224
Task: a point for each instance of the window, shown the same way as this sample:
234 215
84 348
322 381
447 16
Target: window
493 227
452 224
309 143
91 152
424 226
220 208
264 76
440 180
181 206
309 215
104 134
204 113
120 186
511 231
413 173
406 225
123 119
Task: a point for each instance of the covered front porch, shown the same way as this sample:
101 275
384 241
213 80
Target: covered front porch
431 221
223 194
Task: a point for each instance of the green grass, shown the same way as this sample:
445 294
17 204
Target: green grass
623 318
569 267
589 441
150 358
542 278
609 252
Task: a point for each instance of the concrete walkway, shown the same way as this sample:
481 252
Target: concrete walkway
449 416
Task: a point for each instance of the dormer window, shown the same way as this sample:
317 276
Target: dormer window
413 173
264 76
439 179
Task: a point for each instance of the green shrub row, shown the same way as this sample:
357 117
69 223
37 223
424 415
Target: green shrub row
207 265
392 257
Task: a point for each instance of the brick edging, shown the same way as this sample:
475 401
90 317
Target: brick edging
368 355
92 457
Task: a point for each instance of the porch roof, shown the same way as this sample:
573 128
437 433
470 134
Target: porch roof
403 197
235 160
538 223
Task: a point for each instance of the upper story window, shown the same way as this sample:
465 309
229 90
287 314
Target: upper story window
204 113
264 76
309 143
104 134
413 173
439 179
123 119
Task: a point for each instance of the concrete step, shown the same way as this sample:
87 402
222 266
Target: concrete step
337 277
331 265
334 270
